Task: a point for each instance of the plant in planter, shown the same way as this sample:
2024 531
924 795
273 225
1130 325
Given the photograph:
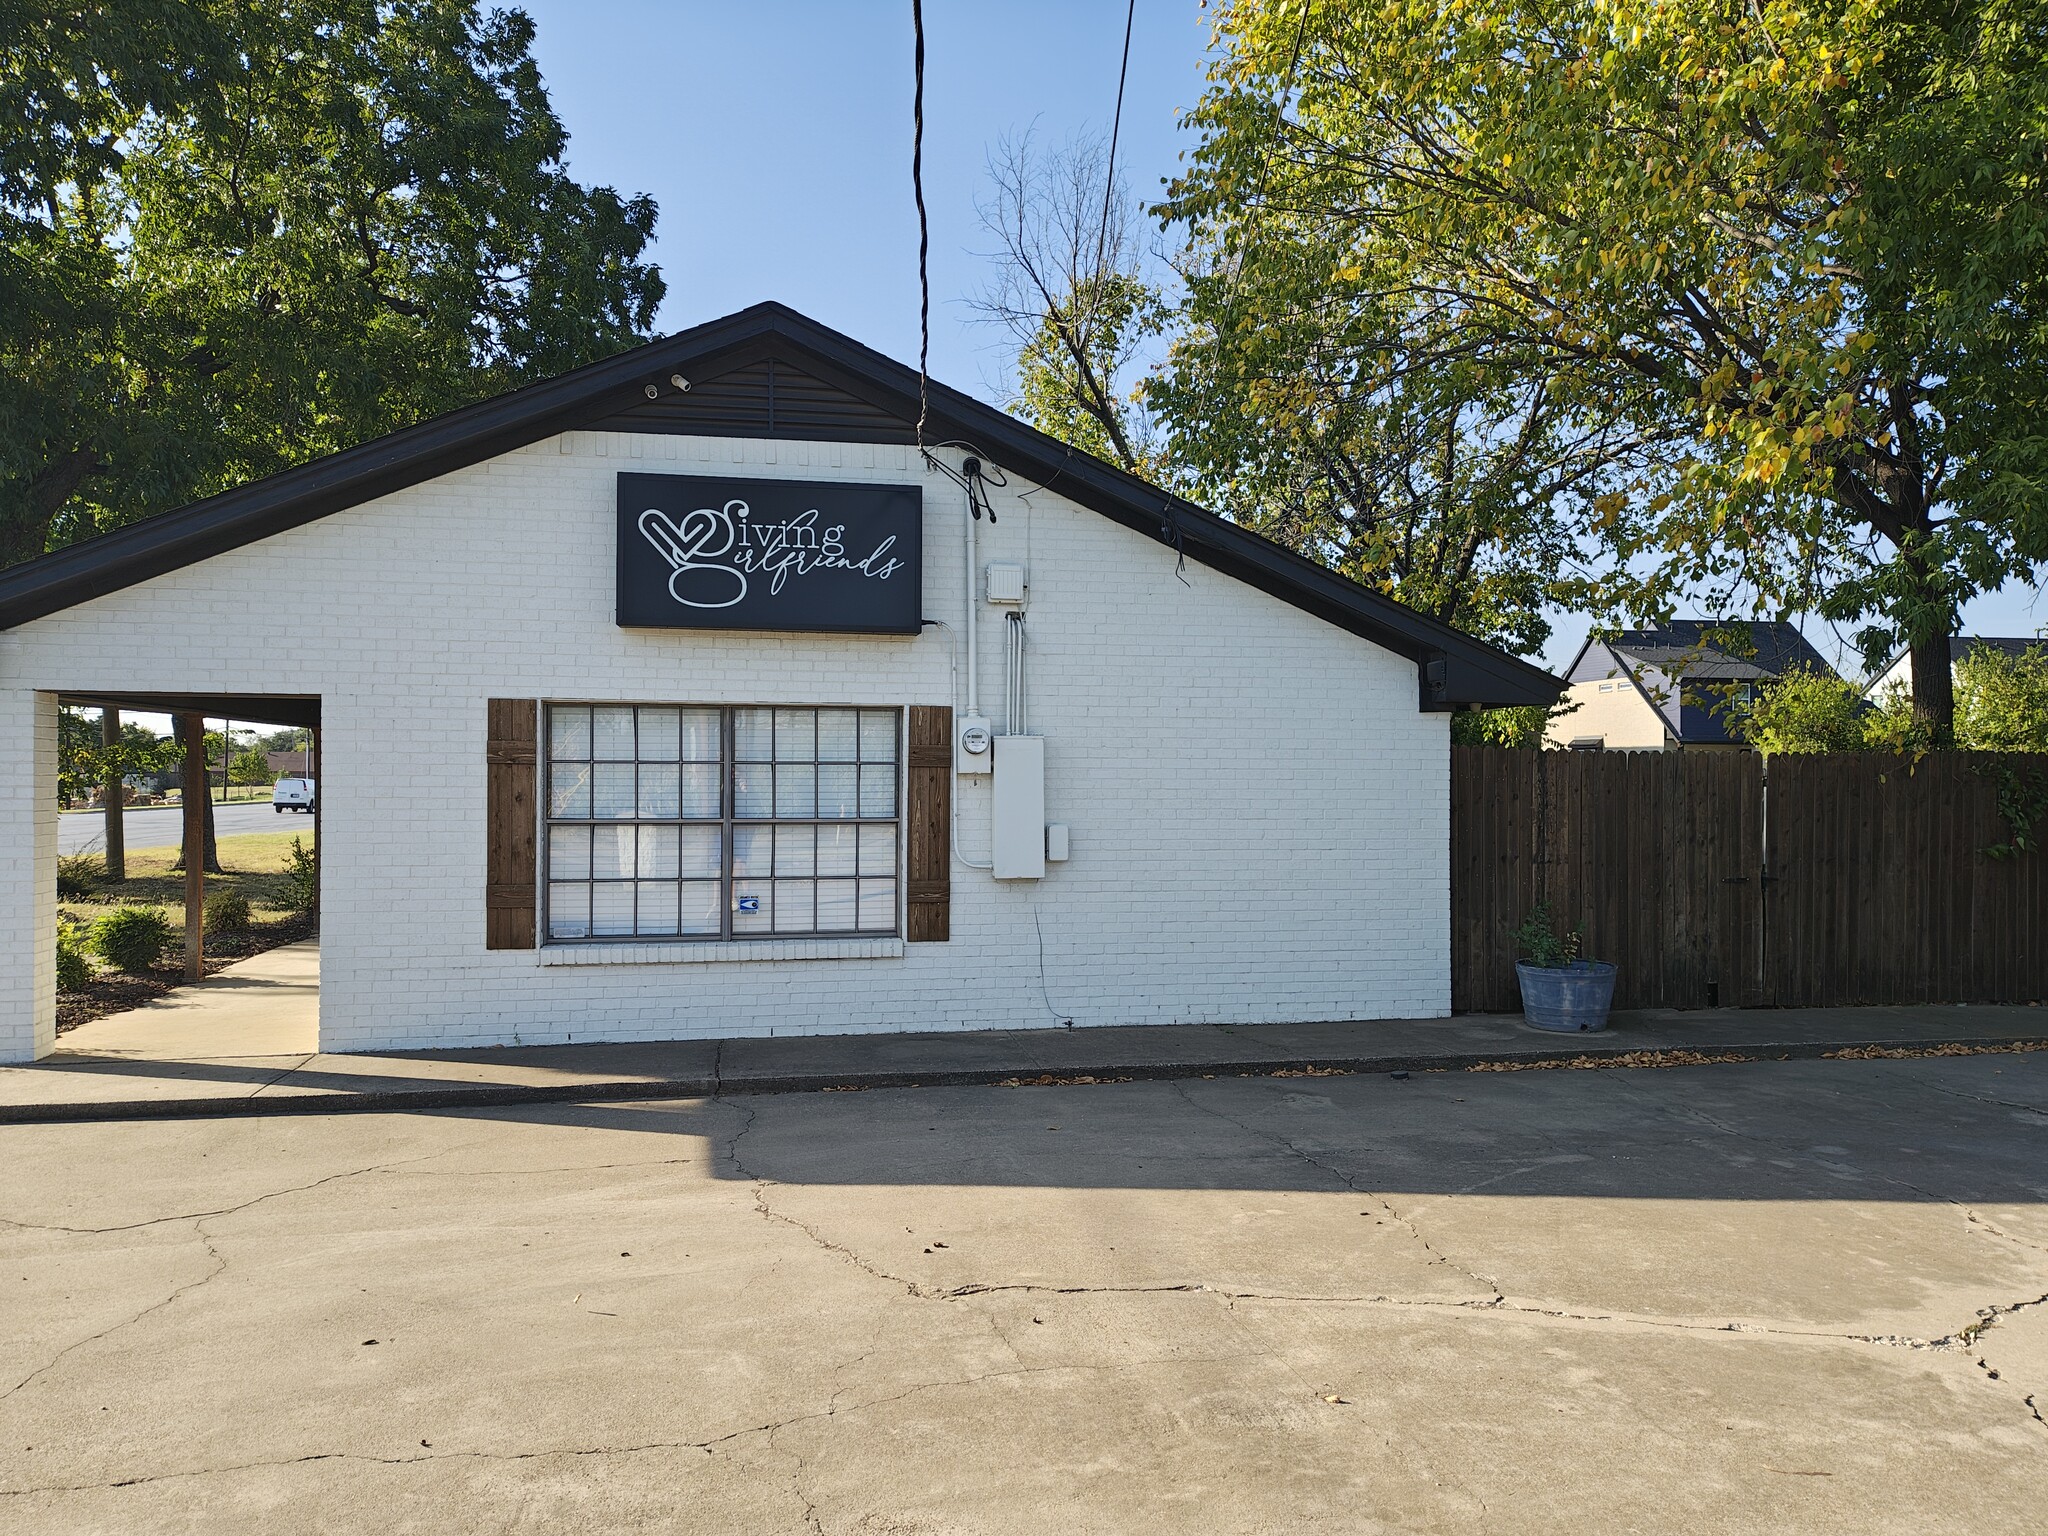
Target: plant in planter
1560 992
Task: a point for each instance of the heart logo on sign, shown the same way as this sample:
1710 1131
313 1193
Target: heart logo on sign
692 546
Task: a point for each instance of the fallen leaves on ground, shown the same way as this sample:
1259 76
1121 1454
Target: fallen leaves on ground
1906 1052
1676 1058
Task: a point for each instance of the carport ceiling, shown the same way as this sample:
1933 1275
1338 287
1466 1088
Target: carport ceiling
255 708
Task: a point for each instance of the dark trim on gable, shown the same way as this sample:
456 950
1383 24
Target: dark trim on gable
1453 669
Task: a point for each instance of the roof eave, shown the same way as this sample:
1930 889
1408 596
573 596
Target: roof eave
1453 669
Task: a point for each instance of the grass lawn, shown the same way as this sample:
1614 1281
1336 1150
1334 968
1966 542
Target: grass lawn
254 863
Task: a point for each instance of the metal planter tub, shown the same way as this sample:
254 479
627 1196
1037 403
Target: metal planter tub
1569 999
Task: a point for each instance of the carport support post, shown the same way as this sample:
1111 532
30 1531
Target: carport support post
115 795
192 729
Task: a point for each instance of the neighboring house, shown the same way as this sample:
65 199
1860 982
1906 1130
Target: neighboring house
1898 672
1673 685
297 760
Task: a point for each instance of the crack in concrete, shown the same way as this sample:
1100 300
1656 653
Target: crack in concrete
1972 1218
709 1446
1989 1318
1501 1305
226 1210
796 1480
1497 1301
1288 1144
1958 1093
761 1184
495 1173
220 1265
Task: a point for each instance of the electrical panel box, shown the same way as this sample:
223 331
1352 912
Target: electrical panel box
1005 582
1058 846
1017 809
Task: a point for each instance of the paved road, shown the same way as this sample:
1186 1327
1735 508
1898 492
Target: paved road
159 826
1785 1297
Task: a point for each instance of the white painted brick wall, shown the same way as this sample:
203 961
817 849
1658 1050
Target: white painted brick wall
1259 809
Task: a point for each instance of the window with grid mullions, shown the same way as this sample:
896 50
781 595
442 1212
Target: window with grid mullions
708 822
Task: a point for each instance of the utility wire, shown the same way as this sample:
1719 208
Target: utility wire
924 238
1116 129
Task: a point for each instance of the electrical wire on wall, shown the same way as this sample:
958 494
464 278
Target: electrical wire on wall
953 832
1013 675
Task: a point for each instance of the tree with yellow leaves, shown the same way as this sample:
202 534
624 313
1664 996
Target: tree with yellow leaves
1787 261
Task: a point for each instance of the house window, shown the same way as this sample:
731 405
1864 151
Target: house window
707 822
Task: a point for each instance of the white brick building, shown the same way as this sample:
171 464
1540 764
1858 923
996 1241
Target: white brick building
1250 754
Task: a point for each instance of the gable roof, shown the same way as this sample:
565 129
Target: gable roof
1708 651
1702 648
1698 648
766 371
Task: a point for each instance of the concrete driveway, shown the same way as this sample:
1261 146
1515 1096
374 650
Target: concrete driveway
155 826
1801 1297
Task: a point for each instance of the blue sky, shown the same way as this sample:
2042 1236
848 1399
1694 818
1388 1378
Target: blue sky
775 135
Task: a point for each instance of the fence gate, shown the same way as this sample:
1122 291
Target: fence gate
1841 879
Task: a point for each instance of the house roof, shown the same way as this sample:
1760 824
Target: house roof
766 371
1729 651
1761 648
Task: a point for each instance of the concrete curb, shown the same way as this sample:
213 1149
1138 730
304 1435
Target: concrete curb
494 1095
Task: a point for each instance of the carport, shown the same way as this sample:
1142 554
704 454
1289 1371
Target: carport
189 712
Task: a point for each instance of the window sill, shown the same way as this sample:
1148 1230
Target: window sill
639 953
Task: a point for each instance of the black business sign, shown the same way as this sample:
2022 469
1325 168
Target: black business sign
708 552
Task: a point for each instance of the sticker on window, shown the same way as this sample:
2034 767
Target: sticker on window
750 903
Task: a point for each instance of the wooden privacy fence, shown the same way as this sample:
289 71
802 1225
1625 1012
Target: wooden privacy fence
1714 878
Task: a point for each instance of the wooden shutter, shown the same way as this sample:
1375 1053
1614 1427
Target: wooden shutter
513 868
928 825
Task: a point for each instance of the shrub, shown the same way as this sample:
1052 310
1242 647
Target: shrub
1538 941
79 875
227 915
74 970
132 939
301 878
2002 701
1802 711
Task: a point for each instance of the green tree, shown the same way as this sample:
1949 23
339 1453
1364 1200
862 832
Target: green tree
2002 701
1792 253
1803 711
234 237
251 766
1512 727
1290 399
85 762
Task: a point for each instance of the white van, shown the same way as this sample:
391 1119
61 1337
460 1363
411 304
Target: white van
293 792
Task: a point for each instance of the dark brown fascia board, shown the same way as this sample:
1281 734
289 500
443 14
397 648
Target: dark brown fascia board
251 709
293 497
1453 669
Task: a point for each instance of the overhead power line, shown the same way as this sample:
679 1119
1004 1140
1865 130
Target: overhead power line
924 238
1115 130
